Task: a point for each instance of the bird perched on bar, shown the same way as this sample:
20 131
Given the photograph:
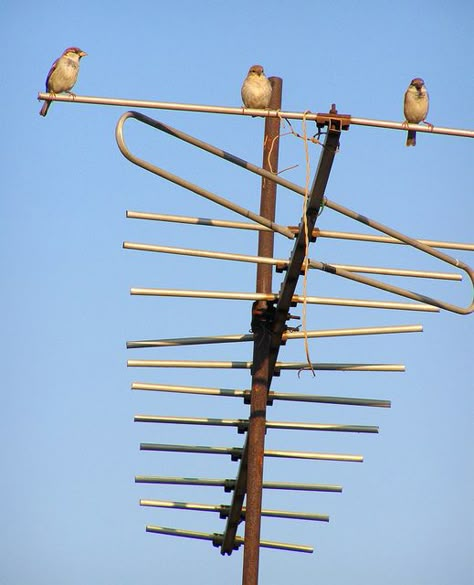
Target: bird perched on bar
415 107
256 89
63 74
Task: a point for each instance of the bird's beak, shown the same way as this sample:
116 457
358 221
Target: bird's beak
82 54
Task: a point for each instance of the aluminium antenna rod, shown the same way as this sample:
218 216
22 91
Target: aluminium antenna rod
245 225
240 111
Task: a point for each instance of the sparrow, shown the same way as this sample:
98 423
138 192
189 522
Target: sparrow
63 74
256 89
415 107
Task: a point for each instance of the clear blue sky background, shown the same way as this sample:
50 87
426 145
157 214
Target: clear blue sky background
69 448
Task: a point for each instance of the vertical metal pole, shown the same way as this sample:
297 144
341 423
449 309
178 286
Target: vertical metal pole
261 314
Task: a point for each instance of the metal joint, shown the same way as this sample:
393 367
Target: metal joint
334 121
224 512
236 453
229 485
242 426
263 313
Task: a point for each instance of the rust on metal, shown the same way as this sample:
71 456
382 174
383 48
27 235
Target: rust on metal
333 120
262 318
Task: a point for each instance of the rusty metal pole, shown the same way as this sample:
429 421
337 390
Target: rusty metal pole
261 325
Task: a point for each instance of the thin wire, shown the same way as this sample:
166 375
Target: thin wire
272 145
305 221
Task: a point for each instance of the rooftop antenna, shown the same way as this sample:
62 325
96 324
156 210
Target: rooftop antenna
270 314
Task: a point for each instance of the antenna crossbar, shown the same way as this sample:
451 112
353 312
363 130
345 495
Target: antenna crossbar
320 118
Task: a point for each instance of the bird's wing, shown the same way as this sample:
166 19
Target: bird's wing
406 101
53 67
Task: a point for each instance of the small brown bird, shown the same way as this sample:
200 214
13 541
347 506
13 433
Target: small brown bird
415 107
256 90
63 74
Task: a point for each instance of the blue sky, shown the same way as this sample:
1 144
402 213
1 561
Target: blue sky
69 446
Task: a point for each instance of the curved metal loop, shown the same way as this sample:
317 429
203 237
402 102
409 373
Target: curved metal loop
410 242
182 182
285 231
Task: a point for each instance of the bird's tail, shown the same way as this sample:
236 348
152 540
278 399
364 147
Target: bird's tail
45 108
411 138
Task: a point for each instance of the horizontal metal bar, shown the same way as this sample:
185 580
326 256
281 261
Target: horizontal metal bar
237 365
209 482
236 452
383 330
243 423
245 225
224 510
202 253
242 296
184 533
299 426
401 125
223 223
218 538
182 505
348 401
179 341
188 420
318 456
292 515
194 253
189 341
190 390
339 400
390 240
240 111
282 546
307 487
229 484
399 272
189 448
